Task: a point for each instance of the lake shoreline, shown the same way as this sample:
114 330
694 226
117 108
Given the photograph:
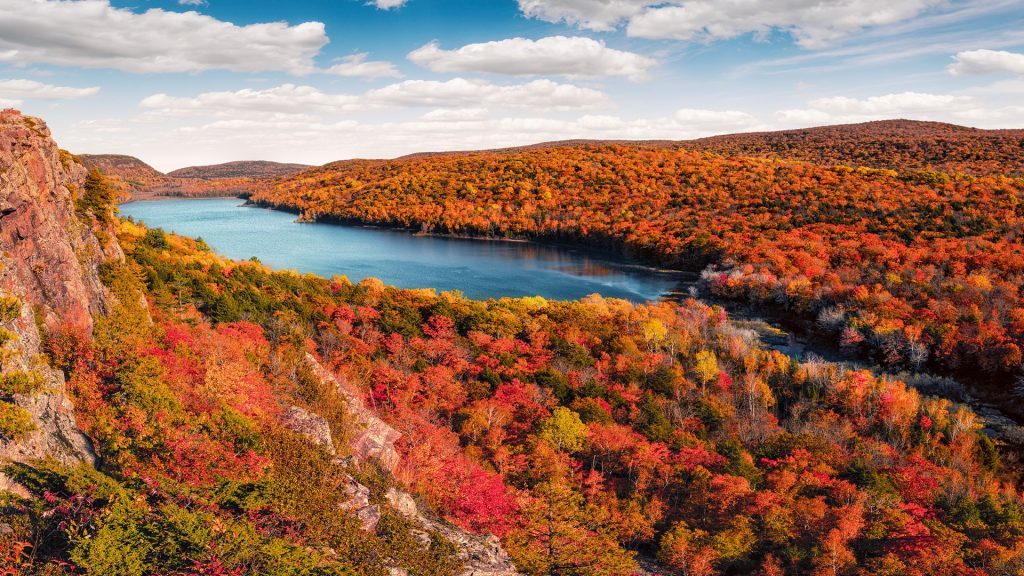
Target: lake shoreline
792 336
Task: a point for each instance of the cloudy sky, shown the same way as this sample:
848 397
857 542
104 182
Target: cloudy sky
184 82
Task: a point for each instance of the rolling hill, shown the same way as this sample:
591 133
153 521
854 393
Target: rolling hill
239 169
902 240
134 179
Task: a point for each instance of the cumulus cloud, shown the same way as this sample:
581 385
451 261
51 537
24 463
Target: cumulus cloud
13 92
459 92
323 140
94 34
812 23
284 99
357 65
456 115
600 15
554 55
914 105
987 62
290 99
387 4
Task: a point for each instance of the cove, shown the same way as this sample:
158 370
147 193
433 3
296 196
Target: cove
481 269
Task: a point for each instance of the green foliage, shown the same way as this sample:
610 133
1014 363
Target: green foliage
10 308
564 429
99 199
20 382
15 422
156 239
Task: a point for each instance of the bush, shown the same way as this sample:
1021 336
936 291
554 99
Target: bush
15 422
10 308
20 383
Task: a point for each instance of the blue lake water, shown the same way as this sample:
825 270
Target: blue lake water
479 268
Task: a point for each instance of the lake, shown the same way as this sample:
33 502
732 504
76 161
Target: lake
479 268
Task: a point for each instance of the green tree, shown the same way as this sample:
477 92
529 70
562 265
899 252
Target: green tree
564 429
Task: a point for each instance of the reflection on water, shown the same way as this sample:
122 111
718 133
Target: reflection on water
479 268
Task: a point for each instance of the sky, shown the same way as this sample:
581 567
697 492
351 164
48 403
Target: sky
191 82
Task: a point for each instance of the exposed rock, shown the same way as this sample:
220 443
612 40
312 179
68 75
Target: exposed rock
359 504
402 502
373 439
51 258
482 555
312 426
50 261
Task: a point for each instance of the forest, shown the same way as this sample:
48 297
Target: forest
910 267
586 435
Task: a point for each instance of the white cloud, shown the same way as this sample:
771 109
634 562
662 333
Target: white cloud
812 23
912 105
192 2
554 55
456 115
13 92
460 92
290 99
716 121
387 4
600 15
321 140
357 65
987 62
284 99
94 34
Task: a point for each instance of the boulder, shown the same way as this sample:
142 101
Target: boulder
372 439
482 555
312 426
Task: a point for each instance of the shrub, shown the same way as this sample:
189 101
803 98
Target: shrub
15 422
20 383
10 308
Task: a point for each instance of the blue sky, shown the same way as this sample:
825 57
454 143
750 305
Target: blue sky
184 83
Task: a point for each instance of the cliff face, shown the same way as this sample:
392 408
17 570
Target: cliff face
49 274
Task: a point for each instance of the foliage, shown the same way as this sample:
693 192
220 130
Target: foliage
98 198
918 266
15 421
579 432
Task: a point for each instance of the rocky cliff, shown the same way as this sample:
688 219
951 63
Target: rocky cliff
374 440
49 275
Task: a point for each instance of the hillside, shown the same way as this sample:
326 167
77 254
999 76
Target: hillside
134 179
912 268
255 422
240 169
127 174
885 144
891 144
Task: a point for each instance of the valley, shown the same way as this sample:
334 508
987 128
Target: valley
235 386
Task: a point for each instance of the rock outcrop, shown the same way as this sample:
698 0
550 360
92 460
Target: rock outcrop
312 426
49 264
482 555
373 439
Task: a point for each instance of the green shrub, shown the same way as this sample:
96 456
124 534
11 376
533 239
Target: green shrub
99 199
20 383
10 308
15 422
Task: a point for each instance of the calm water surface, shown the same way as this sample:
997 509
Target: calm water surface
479 268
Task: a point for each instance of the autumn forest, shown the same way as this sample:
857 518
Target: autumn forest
231 419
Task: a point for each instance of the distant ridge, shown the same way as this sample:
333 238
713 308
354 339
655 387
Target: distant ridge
134 179
888 144
239 169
